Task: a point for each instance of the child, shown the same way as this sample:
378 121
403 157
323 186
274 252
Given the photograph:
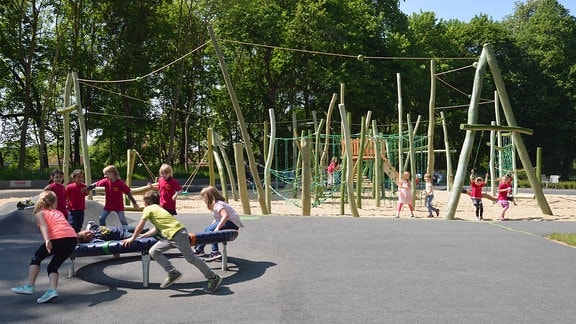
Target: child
404 193
429 195
75 199
332 167
59 241
169 189
55 184
504 188
174 235
225 217
96 233
476 186
114 188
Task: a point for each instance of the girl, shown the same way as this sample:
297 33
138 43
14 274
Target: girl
405 193
476 186
55 184
225 217
168 187
114 189
59 240
332 167
504 189
429 195
75 199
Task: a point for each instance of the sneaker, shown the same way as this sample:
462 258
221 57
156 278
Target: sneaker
199 253
24 290
437 212
172 277
213 284
215 255
49 295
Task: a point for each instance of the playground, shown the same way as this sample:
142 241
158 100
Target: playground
294 269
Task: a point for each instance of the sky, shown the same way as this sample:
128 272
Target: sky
464 10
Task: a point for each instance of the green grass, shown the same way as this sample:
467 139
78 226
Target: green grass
566 238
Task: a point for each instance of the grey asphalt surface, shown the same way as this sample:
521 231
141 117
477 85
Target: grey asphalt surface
295 269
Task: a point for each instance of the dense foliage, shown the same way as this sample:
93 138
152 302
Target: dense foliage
164 86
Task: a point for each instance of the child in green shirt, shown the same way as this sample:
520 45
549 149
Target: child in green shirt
176 236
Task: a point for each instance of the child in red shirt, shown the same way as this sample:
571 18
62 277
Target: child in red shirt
114 189
76 199
168 188
55 185
504 189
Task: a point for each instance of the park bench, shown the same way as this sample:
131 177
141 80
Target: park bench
143 245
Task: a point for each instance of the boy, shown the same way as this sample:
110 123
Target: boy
176 236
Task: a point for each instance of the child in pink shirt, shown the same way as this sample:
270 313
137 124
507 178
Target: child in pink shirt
59 241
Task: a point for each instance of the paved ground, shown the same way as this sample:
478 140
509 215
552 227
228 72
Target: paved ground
322 270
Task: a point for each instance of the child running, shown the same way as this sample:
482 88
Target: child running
429 196
114 189
225 217
175 235
76 199
59 241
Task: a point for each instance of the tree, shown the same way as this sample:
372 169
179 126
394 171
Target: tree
543 79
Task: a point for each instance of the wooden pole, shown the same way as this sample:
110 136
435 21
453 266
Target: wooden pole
492 161
227 165
221 173
400 141
318 172
244 131
431 108
324 158
241 175
461 171
377 171
359 162
349 170
306 177
269 158
481 127
210 156
411 157
447 152
83 132
516 137
66 123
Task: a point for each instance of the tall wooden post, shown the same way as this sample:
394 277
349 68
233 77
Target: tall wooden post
241 175
242 124
516 136
349 170
431 108
461 170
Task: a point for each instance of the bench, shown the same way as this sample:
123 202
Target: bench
143 245
544 180
554 179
